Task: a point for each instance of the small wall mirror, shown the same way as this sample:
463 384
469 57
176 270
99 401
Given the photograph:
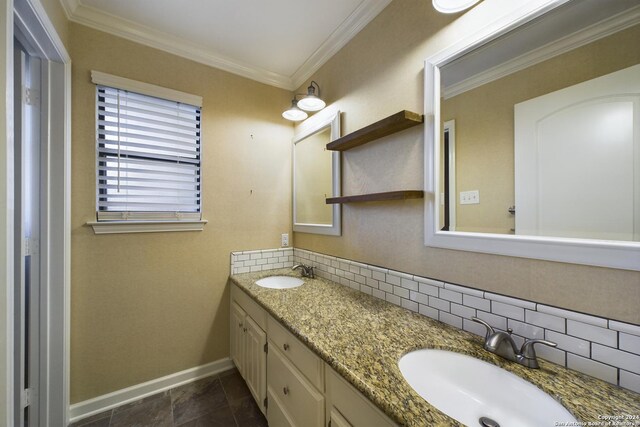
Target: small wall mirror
316 175
533 143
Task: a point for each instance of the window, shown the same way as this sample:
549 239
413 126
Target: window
148 153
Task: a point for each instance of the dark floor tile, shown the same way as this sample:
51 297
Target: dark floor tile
153 412
197 399
231 371
234 386
143 400
221 417
98 420
247 413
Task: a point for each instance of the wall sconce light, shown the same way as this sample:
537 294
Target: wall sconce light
453 6
294 113
309 102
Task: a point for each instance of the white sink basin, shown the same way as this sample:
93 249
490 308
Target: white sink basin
280 282
467 389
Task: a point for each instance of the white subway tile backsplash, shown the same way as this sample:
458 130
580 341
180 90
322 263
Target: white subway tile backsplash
630 380
552 354
450 319
507 310
394 280
544 320
431 282
428 311
592 333
427 289
462 311
495 321
439 304
463 290
525 330
475 302
513 301
624 327
630 343
599 370
627 361
412 285
401 292
410 305
607 349
393 299
569 343
378 275
450 295
418 297
473 327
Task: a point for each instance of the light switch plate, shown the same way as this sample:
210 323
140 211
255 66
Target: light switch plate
470 197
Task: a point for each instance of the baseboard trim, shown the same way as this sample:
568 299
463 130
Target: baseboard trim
90 407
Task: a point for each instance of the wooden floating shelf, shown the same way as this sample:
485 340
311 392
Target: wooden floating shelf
395 123
376 197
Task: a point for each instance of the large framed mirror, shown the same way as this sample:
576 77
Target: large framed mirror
532 143
316 175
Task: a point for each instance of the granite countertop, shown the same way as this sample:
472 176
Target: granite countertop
363 337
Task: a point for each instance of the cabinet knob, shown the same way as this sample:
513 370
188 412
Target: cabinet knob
285 346
240 324
285 390
245 329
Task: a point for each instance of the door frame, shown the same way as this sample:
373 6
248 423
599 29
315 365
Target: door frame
30 17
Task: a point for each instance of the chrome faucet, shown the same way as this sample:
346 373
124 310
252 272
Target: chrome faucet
502 344
307 271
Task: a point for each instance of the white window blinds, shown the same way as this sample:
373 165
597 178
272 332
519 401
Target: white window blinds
148 157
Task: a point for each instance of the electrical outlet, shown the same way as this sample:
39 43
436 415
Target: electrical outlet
284 240
470 197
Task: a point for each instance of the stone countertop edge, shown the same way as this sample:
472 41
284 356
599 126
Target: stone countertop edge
362 338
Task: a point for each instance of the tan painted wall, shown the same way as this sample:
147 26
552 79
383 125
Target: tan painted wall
56 14
380 72
148 305
485 124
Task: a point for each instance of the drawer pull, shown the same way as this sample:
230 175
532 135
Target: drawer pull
245 329
240 324
285 390
285 346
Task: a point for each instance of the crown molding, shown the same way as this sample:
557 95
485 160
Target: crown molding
338 39
580 38
117 26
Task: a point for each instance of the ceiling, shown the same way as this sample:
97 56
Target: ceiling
277 42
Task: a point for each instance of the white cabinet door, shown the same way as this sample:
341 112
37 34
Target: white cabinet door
255 363
237 337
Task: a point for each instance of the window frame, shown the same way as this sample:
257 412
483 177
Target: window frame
108 222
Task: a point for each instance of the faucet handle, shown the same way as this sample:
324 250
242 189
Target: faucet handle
529 351
490 329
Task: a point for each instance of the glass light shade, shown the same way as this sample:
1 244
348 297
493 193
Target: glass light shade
294 113
311 103
453 6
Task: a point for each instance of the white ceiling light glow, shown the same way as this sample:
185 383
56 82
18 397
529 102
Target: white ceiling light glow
311 102
453 6
294 113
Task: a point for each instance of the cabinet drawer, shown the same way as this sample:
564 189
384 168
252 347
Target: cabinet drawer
257 313
297 397
351 406
276 415
311 366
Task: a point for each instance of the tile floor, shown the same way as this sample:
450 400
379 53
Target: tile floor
221 400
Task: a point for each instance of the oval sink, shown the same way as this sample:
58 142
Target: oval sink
468 389
280 282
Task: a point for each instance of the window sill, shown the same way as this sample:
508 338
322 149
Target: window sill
119 227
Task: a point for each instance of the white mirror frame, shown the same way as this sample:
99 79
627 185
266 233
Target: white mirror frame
621 255
327 118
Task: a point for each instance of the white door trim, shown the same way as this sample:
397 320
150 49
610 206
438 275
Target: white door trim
31 18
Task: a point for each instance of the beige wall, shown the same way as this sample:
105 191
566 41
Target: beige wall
380 72
485 124
148 305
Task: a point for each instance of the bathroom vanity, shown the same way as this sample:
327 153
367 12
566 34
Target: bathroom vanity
331 356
